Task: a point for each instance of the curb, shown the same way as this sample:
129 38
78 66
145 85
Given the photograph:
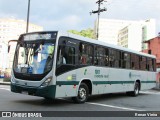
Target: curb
5 83
156 89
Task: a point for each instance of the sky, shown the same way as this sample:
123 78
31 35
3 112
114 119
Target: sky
75 14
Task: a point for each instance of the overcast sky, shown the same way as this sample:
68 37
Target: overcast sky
74 14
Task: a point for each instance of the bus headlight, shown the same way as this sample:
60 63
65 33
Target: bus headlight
46 82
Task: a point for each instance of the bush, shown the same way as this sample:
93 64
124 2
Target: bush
6 79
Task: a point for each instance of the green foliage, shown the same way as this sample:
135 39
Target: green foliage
6 79
86 33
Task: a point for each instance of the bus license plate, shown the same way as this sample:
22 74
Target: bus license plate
25 92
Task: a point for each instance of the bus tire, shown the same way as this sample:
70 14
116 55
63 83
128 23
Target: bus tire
136 90
48 98
83 93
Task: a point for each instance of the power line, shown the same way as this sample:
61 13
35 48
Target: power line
28 11
99 2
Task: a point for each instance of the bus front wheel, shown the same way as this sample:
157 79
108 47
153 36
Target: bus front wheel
83 93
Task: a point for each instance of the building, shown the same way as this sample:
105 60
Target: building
11 29
116 31
135 34
109 28
154 49
131 37
3 56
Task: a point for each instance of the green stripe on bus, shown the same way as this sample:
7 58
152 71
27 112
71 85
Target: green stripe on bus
148 81
67 82
120 82
101 82
113 82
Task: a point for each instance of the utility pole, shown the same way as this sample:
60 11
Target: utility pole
99 2
28 16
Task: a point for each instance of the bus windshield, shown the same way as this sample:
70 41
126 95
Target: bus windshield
34 57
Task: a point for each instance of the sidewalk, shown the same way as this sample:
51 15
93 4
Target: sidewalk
4 83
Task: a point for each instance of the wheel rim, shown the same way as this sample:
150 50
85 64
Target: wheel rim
136 90
82 94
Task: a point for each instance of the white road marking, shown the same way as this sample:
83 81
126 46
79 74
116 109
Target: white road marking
123 108
5 89
148 92
104 105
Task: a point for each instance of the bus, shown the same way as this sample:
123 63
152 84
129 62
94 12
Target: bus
52 65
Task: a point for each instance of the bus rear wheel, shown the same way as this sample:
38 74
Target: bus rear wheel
83 93
136 90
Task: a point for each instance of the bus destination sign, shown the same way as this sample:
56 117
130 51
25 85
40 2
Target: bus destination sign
39 36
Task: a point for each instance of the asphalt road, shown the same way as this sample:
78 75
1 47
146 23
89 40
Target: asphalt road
146 101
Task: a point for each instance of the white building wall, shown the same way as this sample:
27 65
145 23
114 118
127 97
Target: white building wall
138 32
109 29
3 56
135 37
10 29
151 28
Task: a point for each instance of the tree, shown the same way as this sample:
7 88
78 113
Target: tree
86 33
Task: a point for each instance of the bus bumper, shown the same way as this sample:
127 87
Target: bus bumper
48 92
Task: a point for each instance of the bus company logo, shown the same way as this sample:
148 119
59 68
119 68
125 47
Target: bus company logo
85 71
6 114
130 74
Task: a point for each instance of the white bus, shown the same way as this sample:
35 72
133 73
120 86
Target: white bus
52 65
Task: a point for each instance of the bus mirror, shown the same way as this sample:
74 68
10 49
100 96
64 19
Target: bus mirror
9 44
9 48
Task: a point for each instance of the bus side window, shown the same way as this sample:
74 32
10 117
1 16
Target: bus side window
111 58
100 56
133 61
117 59
126 60
89 51
143 63
70 55
86 54
106 57
114 58
154 64
66 55
82 56
149 64
61 55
